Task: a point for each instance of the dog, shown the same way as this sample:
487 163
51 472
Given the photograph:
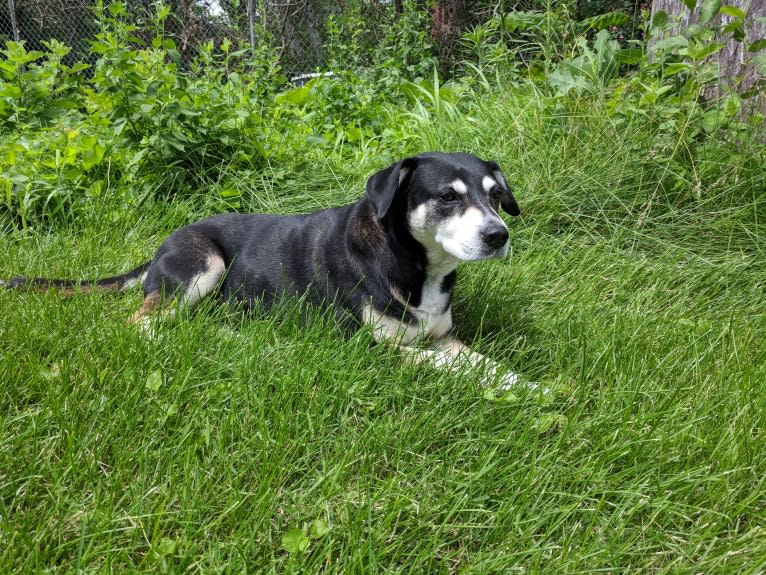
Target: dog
388 260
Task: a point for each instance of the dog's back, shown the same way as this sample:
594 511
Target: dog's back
265 256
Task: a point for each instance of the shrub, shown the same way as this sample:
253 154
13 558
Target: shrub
136 118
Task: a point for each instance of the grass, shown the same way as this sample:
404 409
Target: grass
277 445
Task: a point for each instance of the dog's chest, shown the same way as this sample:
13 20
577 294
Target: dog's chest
433 312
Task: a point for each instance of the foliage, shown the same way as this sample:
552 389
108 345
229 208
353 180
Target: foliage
134 117
370 62
386 47
269 444
138 125
668 95
535 37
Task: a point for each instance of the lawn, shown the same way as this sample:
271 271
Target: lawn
278 444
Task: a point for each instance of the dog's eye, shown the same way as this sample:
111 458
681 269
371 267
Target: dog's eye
495 193
449 196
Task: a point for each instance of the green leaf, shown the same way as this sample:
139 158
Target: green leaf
732 104
175 56
17 54
520 20
759 63
297 96
116 9
671 43
230 193
677 68
690 4
550 422
700 51
629 55
166 547
318 529
757 46
711 121
170 409
154 381
660 19
295 541
176 140
9 91
57 47
733 26
733 11
708 10
500 396
564 80
162 11
92 156
606 20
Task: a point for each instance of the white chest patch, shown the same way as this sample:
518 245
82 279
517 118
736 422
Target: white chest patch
433 314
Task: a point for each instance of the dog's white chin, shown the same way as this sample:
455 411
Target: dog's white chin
473 252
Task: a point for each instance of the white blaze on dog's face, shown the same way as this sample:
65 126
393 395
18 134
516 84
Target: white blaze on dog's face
453 213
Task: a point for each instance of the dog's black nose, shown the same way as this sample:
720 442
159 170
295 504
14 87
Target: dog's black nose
495 235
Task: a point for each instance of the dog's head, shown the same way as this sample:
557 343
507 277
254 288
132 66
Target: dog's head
451 203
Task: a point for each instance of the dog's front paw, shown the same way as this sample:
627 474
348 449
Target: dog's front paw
510 382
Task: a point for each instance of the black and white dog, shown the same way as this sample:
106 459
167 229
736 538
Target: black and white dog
388 260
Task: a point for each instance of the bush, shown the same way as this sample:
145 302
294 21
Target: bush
135 118
138 126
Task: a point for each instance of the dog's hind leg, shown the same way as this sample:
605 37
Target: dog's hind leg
188 267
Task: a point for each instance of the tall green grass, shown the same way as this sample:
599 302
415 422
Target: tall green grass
277 444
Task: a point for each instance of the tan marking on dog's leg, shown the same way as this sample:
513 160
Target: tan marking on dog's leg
199 286
148 306
153 309
398 296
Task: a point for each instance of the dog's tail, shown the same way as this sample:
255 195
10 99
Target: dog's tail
115 284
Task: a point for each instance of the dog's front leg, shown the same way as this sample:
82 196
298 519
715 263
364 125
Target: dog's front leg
452 354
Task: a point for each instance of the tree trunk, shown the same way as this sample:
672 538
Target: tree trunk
733 56
450 18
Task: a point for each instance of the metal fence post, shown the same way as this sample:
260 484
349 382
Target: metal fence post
251 18
14 25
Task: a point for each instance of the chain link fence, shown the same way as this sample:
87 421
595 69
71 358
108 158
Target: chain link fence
296 28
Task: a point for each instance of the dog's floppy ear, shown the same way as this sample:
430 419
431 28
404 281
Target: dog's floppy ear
507 201
383 185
